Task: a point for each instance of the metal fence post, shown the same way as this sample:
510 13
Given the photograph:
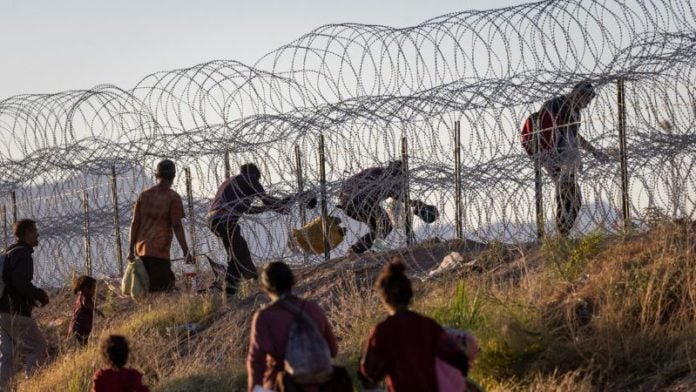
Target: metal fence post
538 180
192 226
458 179
408 222
87 234
228 171
324 207
622 152
117 221
14 207
300 188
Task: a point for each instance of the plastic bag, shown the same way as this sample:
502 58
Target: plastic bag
310 237
136 281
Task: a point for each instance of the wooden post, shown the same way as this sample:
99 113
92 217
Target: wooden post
324 207
192 225
14 207
88 243
408 224
117 221
300 188
228 171
458 179
622 152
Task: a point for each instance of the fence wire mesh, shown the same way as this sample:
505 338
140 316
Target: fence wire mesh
365 87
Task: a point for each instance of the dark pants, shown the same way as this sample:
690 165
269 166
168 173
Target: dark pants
160 273
340 382
81 338
568 202
239 262
375 217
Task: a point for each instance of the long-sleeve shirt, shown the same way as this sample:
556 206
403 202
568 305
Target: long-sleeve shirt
371 186
118 380
20 295
83 315
403 348
270 329
234 197
565 156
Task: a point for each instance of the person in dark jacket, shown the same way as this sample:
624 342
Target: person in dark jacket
20 296
402 348
234 198
360 197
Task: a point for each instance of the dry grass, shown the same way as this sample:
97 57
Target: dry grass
590 314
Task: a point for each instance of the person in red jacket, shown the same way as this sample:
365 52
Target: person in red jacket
402 348
117 377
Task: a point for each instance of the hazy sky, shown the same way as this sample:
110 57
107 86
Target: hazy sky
49 45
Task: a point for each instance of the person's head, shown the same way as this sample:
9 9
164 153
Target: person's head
582 93
166 170
277 279
393 287
85 284
25 230
395 167
115 350
250 170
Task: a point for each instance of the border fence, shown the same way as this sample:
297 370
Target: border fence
449 94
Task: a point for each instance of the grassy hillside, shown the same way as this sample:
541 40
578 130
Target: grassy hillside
596 313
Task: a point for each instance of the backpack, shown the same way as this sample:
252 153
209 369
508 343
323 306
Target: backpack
542 124
136 281
307 355
3 259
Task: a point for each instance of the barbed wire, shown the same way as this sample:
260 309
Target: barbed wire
364 87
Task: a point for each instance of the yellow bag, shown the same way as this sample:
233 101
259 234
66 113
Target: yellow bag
136 281
310 238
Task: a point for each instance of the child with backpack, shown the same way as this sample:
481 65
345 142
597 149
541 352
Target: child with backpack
85 288
404 348
117 377
291 343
